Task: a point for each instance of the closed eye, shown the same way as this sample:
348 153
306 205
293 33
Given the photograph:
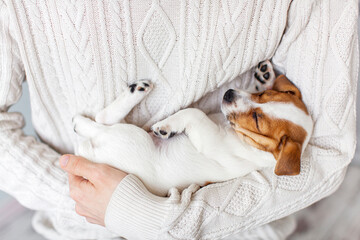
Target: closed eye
261 94
290 92
255 117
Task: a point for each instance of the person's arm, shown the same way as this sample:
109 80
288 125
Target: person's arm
321 58
28 168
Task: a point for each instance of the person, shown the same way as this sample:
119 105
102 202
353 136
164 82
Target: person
78 56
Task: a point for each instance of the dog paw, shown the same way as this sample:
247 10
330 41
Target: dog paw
163 130
78 121
143 86
264 75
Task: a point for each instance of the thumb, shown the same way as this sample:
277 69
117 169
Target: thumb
77 165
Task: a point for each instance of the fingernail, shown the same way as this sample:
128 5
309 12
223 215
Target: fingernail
64 160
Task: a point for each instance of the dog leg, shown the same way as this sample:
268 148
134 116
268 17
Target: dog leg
86 127
120 108
200 129
264 75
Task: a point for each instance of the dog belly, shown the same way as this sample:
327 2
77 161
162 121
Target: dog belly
163 164
180 164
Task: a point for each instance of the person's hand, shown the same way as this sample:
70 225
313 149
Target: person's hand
91 186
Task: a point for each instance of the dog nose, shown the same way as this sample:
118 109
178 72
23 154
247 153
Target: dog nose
229 95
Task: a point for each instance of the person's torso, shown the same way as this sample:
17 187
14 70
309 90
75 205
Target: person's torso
79 55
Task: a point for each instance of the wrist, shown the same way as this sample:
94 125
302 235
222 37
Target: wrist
134 212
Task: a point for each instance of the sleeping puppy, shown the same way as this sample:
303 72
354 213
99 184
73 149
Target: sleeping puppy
254 131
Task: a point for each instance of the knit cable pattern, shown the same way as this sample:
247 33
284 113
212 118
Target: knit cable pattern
78 56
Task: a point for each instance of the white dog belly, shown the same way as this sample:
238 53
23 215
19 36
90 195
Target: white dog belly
163 164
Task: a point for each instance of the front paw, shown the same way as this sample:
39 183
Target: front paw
163 130
265 76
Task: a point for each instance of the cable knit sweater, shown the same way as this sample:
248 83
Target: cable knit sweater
77 56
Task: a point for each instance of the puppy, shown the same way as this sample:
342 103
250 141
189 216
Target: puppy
254 131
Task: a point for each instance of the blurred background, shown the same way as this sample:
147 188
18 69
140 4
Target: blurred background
335 217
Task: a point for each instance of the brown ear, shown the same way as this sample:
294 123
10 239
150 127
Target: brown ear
283 84
288 157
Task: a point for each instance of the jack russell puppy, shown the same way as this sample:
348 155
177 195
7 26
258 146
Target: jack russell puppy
254 131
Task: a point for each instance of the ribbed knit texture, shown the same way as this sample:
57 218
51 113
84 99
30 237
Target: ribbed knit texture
78 56
141 210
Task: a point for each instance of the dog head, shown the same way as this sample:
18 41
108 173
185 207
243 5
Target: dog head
275 120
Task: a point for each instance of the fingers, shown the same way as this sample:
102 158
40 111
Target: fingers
95 221
77 182
83 211
87 213
78 166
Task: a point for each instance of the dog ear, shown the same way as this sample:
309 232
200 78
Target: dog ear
283 84
288 157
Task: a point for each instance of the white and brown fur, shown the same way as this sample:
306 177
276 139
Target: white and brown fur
191 147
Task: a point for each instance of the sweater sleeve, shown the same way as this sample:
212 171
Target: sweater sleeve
28 168
319 53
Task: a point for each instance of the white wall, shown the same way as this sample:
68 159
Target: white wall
356 159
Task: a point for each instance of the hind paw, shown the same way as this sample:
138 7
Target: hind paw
264 75
164 130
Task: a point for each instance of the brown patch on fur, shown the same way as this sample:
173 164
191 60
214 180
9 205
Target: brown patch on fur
270 130
282 138
288 157
283 91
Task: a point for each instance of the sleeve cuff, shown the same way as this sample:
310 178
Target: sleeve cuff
135 213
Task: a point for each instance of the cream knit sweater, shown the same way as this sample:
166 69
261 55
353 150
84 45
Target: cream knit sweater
77 56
